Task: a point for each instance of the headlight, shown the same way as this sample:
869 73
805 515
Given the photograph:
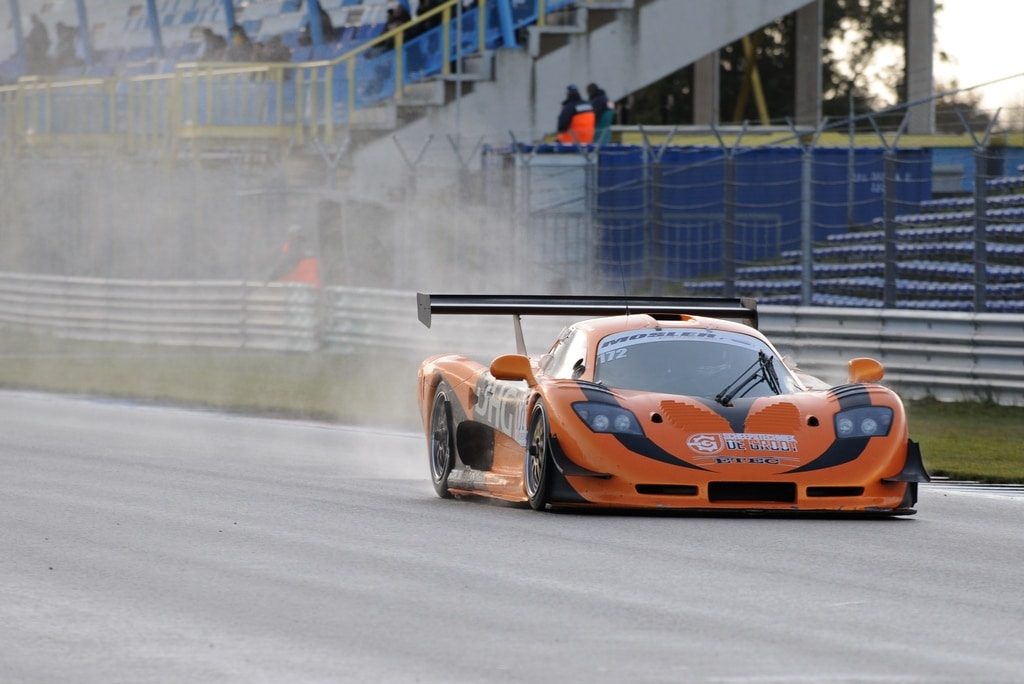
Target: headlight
607 418
866 421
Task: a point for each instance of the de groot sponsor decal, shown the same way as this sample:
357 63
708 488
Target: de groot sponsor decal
743 448
502 406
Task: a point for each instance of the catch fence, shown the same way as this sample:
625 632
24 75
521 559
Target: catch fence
796 217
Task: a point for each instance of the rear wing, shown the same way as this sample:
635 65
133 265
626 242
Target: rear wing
741 309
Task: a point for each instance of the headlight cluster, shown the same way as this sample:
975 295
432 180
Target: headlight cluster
866 421
607 418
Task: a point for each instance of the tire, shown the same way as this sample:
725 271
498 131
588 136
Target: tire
442 442
537 466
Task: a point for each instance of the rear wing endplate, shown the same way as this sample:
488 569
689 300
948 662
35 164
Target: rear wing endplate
741 309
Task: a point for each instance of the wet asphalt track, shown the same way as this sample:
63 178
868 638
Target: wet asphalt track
147 544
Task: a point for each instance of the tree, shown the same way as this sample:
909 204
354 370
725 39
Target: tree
856 32
949 109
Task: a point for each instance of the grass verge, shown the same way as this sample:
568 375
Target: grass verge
969 441
974 441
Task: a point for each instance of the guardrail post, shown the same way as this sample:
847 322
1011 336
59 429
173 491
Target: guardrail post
980 228
350 71
399 65
329 104
481 26
446 39
300 100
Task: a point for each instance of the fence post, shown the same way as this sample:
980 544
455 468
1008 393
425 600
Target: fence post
729 210
980 209
980 228
890 250
653 212
851 165
729 226
889 226
806 227
589 211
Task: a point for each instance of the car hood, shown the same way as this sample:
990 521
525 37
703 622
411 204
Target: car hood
785 433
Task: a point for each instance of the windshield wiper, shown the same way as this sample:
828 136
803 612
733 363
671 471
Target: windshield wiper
762 370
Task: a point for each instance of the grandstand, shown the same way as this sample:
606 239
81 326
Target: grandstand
145 91
935 251
516 58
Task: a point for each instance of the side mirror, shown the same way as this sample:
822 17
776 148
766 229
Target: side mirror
865 370
513 367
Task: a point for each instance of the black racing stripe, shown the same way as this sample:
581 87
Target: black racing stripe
597 394
638 444
735 414
842 450
851 396
839 452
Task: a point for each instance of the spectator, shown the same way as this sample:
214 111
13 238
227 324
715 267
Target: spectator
298 261
424 26
396 16
604 114
214 45
37 45
576 120
329 33
241 48
273 50
66 56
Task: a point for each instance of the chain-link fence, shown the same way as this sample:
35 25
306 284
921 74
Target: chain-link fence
790 216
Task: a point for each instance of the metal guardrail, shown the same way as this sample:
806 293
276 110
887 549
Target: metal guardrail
941 354
230 314
951 356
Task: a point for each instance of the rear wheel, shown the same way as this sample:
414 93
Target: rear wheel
442 445
537 469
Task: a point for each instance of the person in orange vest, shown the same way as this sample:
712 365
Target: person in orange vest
298 261
576 122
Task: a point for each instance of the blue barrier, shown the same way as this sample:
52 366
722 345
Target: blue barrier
662 214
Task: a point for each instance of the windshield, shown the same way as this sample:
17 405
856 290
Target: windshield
686 362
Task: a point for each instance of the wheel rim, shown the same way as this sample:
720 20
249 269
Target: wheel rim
440 443
535 458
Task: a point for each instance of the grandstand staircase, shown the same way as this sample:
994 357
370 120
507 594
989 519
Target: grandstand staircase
622 45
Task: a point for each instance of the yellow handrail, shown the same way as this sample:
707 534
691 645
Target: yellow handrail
317 90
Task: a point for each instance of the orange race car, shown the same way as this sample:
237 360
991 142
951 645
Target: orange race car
660 403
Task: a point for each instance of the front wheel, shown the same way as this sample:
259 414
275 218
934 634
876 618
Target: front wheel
442 445
537 478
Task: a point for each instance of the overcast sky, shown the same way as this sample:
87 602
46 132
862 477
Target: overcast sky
985 41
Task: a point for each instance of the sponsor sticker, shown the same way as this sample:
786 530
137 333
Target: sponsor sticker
705 444
502 406
743 447
611 346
